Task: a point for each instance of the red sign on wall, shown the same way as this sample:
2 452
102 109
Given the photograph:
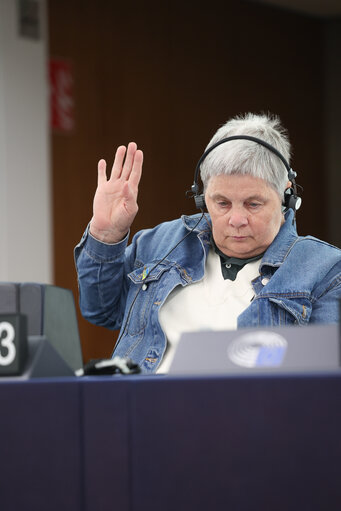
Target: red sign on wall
62 101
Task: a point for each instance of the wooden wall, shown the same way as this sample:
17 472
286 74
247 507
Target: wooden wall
166 75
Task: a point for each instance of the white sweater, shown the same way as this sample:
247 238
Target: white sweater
211 304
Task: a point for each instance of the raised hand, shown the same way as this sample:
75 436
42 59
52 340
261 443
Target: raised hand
115 202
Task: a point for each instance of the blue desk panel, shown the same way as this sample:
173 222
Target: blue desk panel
40 446
163 443
240 443
106 440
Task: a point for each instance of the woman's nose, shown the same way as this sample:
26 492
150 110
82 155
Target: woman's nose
238 218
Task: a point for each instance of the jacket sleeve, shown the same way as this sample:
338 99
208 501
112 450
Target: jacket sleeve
326 306
102 279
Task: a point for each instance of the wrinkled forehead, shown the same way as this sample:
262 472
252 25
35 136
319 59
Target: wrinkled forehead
236 180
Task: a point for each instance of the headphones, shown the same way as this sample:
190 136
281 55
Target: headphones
290 201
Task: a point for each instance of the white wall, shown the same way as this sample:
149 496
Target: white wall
25 199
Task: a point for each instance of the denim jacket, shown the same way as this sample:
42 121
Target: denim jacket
124 286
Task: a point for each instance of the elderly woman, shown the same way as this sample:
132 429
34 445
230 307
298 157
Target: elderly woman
240 265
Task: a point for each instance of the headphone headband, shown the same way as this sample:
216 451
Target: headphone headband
291 200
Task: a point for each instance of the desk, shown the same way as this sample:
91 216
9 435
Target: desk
170 443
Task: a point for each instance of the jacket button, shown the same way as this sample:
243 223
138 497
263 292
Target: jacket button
265 280
144 287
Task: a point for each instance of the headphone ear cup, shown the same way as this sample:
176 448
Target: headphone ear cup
200 201
291 201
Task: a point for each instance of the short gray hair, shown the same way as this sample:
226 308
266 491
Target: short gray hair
248 157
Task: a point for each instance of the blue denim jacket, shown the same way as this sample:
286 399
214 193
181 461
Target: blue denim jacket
120 287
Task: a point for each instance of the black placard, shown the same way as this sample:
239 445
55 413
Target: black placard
13 344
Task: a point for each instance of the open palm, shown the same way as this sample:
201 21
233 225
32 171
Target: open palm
115 202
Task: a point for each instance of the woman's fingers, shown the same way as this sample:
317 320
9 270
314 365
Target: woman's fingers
127 166
129 160
118 162
136 171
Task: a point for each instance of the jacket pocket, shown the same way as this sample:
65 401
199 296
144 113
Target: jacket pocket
143 293
287 311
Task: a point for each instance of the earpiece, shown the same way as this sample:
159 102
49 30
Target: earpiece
200 201
290 200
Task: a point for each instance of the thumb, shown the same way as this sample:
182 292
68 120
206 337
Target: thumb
102 175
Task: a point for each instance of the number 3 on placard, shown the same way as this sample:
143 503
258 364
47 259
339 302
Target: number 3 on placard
8 343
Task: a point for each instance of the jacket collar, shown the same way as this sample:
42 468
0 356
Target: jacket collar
203 226
277 251
283 242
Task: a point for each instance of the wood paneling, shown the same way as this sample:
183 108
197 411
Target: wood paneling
166 75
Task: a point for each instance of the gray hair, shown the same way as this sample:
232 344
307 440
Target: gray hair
248 157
